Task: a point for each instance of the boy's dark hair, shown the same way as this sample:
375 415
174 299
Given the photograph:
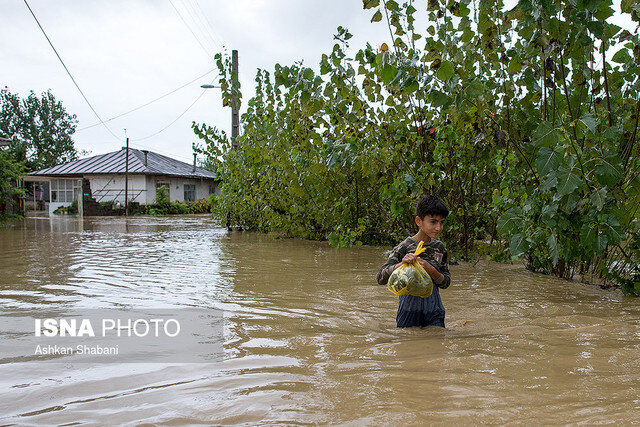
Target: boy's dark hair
431 205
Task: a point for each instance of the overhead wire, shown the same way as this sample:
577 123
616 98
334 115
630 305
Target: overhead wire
211 26
207 52
198 19
175 120
69 72
150 102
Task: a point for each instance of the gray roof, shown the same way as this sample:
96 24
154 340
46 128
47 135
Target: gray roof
114 163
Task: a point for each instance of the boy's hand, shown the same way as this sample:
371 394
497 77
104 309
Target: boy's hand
409 258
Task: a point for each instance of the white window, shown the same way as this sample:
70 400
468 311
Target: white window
64 190
189 192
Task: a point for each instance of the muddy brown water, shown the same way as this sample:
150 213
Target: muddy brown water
308 336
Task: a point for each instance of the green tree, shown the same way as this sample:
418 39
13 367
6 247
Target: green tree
40 127
523 120
10 172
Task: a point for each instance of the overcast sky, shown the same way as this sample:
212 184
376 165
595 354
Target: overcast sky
126 53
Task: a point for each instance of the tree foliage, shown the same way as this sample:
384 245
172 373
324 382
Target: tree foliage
10 172
523 120
40 127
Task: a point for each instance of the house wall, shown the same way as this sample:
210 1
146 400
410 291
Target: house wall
142 188
176 187
107 188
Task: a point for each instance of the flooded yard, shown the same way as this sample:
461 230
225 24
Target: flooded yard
308 337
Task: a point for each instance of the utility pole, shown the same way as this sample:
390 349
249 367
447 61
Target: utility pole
235 88
126 181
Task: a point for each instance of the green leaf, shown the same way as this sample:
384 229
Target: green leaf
601 242
411 85
610 30
547 160
568 181
587 235
550 181
570 203
589 121
622 56
598 198
445 72
369 4
518 245
509 221
550 210
393 5
377 17
625 5
388 73
308 74
475 89
554 248
545 135
608 170
515 65
439 99
613 230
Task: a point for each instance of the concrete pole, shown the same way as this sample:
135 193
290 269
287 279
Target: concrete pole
126 181
235 87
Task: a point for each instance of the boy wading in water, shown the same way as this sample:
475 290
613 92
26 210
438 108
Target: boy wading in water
417 311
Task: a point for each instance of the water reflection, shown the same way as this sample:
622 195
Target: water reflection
309 337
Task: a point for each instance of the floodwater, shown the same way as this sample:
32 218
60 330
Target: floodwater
309 337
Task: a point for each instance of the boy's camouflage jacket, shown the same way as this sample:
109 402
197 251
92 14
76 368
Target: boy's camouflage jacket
435 254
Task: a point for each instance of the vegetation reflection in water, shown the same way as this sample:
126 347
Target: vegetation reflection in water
308 335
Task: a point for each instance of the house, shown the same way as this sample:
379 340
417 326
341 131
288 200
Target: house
102 178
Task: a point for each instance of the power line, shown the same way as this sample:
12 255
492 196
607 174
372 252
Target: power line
68 72
207 52
197 17
217 36
150 102
176 119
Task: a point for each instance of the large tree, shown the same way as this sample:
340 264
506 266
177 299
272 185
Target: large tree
523 119
10 172
40 127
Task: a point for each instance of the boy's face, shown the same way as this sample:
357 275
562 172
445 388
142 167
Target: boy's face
431 225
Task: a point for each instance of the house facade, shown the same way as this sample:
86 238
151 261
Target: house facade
107 173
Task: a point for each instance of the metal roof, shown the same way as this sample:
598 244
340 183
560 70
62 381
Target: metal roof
114 163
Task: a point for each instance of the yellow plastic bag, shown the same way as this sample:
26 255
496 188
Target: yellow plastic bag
411 279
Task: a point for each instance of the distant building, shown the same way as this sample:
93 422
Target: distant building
103 177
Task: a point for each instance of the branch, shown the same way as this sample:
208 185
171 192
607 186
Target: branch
606 84
535 175
566 94
629 146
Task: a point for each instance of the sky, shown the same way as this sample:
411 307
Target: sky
124 54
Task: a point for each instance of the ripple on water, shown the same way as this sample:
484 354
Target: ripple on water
310 338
